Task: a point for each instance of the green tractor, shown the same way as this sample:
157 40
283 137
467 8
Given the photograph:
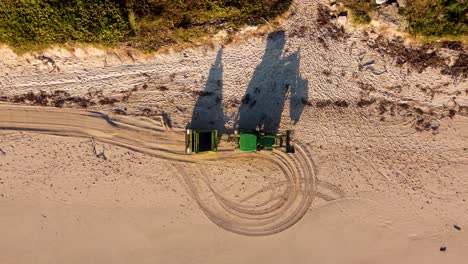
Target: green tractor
201 141
257 141
206 141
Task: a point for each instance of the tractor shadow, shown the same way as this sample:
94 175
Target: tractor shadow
208 112
275 78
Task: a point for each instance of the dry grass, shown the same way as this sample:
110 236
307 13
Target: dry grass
147 25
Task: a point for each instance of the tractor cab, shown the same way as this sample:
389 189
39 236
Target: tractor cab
257 141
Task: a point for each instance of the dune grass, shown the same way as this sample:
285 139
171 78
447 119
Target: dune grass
35 22
437 17
360 10
429 18
145 24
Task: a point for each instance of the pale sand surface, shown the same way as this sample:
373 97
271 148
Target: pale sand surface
388 179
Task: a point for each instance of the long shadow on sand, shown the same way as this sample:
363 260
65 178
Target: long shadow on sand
208 111
264 100
275 78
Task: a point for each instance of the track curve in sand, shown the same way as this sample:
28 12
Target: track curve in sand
272 216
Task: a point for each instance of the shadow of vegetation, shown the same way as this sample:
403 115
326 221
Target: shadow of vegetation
264 100
208 111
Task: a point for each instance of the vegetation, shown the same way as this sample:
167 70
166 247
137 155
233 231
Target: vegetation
29 22
360 10
425 17
147 24
151 24
438 17
158 22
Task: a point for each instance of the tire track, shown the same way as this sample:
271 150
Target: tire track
281 211
266 219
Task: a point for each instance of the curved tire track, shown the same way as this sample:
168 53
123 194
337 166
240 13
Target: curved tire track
277 214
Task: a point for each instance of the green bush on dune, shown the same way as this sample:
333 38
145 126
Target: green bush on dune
437 17
360 9
159 22
425 17
25 22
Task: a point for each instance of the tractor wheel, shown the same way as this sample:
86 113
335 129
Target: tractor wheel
188 134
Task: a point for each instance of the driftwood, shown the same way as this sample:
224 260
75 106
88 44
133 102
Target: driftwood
100 154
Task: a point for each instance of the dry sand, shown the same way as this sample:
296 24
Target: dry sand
387 146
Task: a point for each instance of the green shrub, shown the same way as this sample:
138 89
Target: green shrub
24 22
360 10
437 17
162 22
147 24
426 17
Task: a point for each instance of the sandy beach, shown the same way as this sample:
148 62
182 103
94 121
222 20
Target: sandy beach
93 169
